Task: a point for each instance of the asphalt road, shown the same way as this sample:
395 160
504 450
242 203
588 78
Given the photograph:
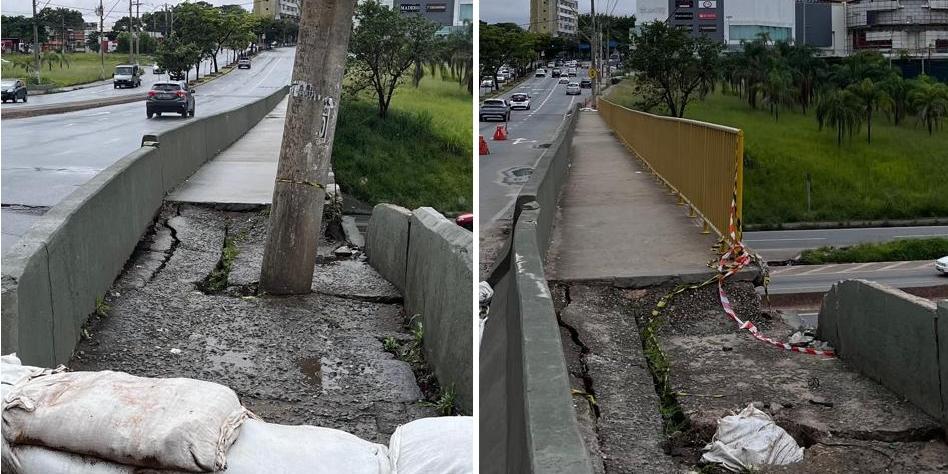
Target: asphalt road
45 158
787 244
508 167
819 278
105 89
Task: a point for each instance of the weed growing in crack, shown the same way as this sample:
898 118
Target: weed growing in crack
101 307
390 344
445 402
216 281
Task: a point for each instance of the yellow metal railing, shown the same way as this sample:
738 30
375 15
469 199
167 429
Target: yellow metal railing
702 163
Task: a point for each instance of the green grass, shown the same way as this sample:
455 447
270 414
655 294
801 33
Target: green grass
901 175
420 155
83 68
893 251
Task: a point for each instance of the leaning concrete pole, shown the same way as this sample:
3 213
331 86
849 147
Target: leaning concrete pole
290 255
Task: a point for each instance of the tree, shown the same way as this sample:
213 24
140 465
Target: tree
841 110
898 90
92 41
674 65
930 101
191 23
778 89
871 97
504 44
54 57
21 27
387 44
173 55
60 20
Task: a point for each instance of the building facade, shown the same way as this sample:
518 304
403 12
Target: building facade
648 11
439 11
698 17
277 9
822 25
917 28
554 17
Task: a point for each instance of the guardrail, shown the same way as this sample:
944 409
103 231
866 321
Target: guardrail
701 162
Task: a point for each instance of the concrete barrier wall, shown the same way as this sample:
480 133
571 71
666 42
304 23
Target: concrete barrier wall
430 259
71 256
527 420
895 338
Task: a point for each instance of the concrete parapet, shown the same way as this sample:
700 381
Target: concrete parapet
891 337
386 242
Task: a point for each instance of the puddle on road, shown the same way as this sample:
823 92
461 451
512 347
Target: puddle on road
312 369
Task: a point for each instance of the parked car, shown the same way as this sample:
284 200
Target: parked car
243 63
556 73
564 80
170 96
127 75
573 89
494 108
156 69
520 101
941 265
487 83
13 89
466 221
586 84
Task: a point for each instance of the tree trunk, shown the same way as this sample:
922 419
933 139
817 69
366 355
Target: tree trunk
305 156
869 126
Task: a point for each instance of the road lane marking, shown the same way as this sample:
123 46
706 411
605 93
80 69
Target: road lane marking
783 240
919 236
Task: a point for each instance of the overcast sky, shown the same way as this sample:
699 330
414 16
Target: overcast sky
118 8
518 11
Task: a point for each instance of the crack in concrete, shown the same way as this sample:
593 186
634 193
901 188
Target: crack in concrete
382 299
588 384
166 223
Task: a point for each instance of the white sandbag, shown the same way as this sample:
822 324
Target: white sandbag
260 448
171 423
444 445
750 440
12 371
282 449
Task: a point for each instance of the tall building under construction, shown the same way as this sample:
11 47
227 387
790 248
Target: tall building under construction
554 17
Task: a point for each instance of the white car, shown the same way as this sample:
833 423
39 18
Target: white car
942 265
564 80
520 101
551 65
487 83
541 73
573 89
571 72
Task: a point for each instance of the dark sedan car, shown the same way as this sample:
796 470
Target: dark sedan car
13 89
586 84
170 96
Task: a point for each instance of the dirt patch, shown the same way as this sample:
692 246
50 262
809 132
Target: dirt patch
313 359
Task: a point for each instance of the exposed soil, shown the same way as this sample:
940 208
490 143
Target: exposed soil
314 359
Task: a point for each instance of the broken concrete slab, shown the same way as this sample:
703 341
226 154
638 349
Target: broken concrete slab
717 369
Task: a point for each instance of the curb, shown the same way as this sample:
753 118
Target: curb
925 221
87 104
816 297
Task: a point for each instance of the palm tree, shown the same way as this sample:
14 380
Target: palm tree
930 101
841 110
871 97
898 90
778 89
53 57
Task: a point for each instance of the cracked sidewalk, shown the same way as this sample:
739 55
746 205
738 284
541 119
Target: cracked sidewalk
313 359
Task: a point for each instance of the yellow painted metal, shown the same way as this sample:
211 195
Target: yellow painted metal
702 162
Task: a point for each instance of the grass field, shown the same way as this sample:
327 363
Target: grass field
894 251
420 155
83 68
901 175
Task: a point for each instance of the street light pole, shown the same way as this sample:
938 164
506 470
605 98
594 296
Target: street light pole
36 45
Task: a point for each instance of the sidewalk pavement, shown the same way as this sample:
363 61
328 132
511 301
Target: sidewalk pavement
616 224
244 173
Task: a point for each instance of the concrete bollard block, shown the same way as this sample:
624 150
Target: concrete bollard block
942 332
27 308
829 317
386 242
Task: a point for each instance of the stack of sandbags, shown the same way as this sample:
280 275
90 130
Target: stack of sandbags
174 423
444 445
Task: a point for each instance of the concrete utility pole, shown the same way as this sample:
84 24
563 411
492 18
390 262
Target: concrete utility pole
101 12
36 45
305 156
138 30
131 41
594 50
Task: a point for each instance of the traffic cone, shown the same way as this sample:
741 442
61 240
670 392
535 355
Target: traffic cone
500 133
484 150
